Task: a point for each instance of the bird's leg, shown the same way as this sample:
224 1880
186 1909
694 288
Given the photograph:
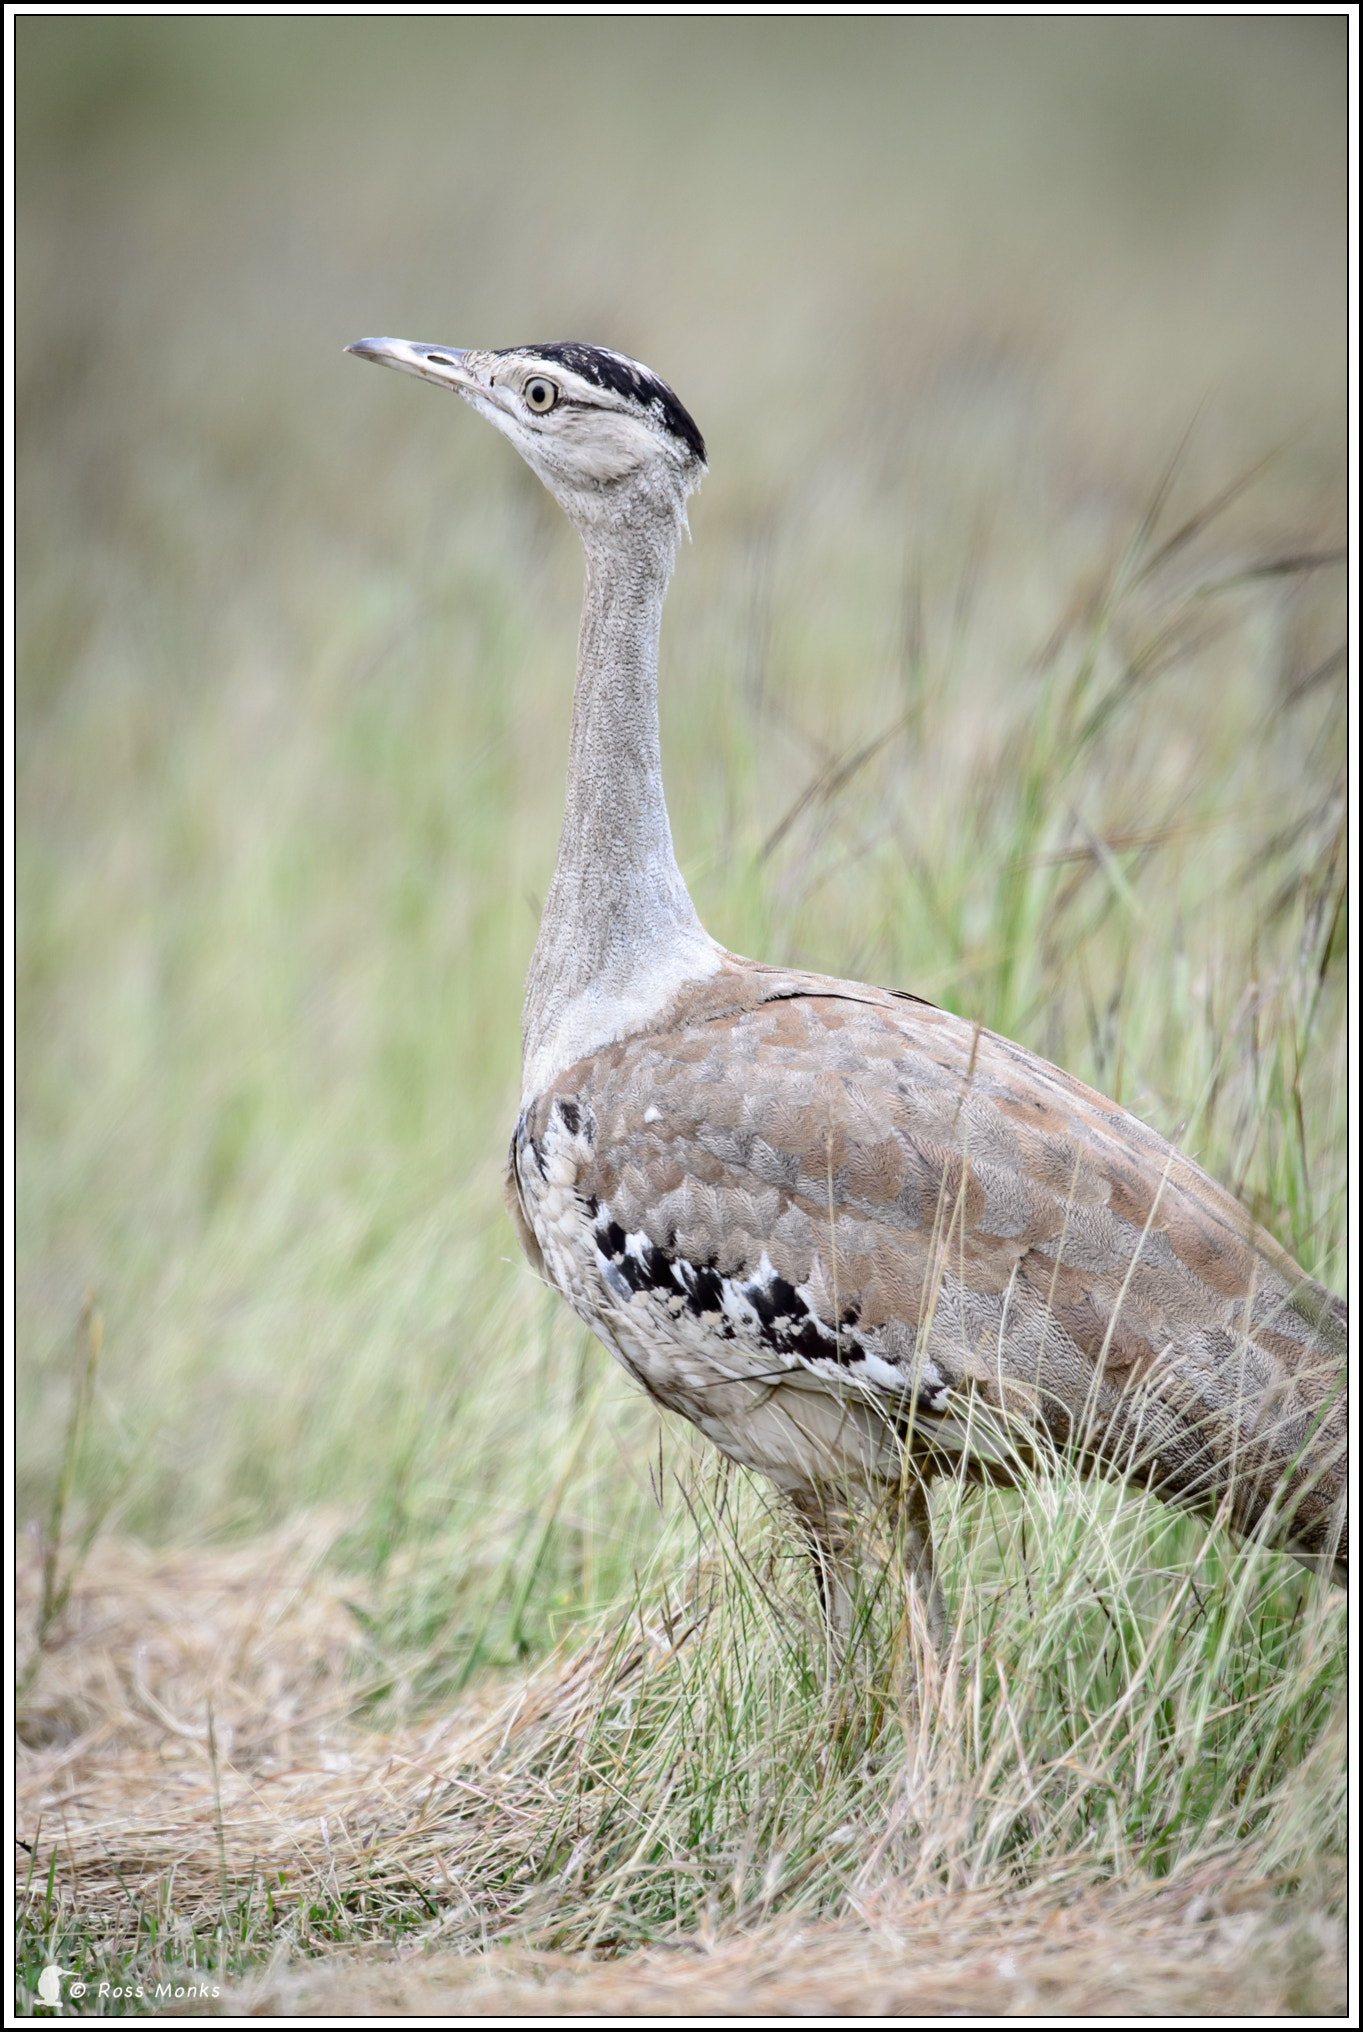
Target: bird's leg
911 1523
828 1528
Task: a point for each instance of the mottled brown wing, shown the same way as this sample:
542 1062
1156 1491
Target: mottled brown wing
873 1193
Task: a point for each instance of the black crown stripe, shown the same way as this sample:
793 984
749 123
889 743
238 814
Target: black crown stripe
605 369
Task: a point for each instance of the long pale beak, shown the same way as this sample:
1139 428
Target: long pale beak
444 365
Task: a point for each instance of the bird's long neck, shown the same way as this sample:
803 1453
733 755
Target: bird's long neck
619 935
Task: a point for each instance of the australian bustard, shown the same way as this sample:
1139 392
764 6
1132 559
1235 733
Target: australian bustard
853 1238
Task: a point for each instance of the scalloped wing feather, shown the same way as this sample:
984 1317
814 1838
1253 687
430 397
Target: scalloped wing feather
821 1220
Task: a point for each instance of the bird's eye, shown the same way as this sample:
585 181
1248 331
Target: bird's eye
540 395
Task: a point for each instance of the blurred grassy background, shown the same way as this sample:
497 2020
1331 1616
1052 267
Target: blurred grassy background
961 690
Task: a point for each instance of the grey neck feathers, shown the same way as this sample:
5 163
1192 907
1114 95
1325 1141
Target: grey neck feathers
619 935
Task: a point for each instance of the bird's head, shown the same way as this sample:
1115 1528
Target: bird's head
598 428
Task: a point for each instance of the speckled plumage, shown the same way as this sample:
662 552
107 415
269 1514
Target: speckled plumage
852 1238
805 1187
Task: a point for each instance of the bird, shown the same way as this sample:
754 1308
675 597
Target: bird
859 1241
50 1986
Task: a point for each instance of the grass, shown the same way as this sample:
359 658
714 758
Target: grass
1127 1710
990 674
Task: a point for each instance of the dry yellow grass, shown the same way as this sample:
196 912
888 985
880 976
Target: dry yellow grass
1220 1952
192 1726
194 1714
